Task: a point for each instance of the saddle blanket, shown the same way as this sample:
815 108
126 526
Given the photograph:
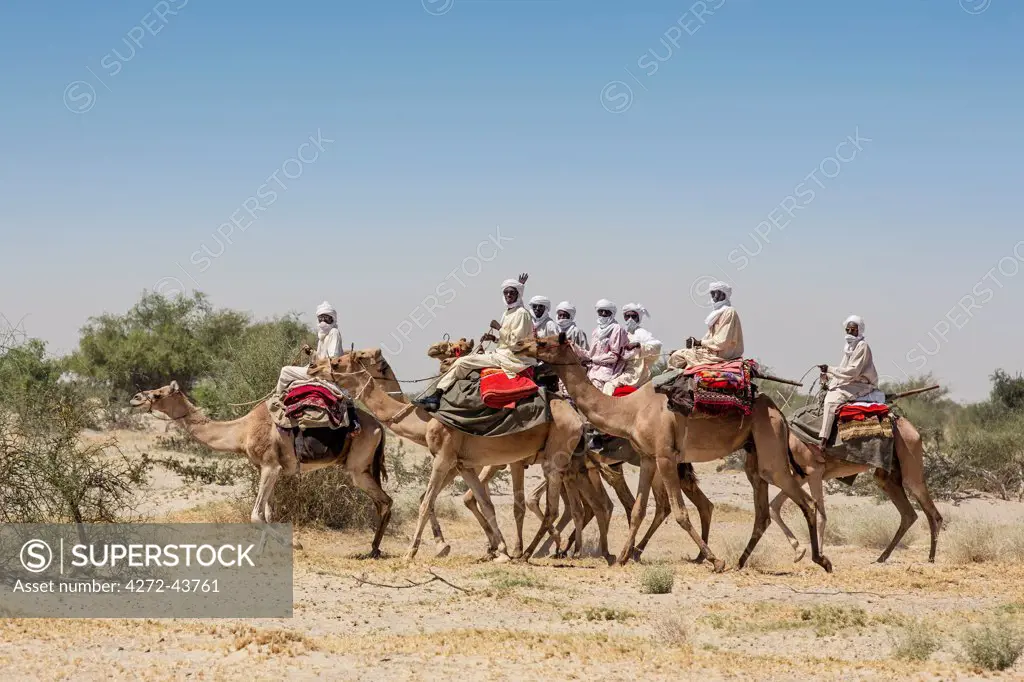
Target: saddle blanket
499 391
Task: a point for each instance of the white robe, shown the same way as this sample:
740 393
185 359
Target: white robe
638 362
854 378
516 326
330 346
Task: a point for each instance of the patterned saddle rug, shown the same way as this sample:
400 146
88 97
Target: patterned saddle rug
710 390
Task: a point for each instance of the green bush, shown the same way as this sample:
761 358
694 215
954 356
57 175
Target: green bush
916 641
657 580
995 645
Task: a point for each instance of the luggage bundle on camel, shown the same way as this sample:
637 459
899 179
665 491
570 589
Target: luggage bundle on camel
316 415
710 390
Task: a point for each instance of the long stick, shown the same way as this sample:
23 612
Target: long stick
906 394
767 377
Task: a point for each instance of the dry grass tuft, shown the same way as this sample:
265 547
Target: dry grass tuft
829 619
916 641
976 541
871 527
676 632
994 645
657 580
766 557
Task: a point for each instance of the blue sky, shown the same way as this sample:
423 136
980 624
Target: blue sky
450 119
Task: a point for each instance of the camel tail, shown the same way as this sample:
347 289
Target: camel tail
687 472
379 472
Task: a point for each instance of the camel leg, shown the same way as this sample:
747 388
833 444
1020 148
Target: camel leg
617 481
381 501
579 516
554 490
444 462
762 513
563 521
600 506
910 454
480 490
443 548
661 511
268 479
470 500
772 460
817 488
891 486
518 472
775 509
669 474
643 492
688 484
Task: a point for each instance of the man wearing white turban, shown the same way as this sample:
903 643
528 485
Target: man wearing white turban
328 345
724 339
543 325
516 326
608 346
855 379
642 352
566 323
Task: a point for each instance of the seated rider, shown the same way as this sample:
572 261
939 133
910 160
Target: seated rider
329 345
855 379
543 325
566 322
606 356
724 339
644 350
515 327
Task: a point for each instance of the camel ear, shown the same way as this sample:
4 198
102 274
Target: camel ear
174 387
470 342
562 338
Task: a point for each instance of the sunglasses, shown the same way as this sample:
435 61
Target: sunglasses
604 313
631 316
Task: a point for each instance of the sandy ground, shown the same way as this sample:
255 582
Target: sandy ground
569 619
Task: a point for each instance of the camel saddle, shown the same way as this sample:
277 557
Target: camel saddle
710 390
317 417
858 436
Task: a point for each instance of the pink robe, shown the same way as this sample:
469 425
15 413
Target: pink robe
607 355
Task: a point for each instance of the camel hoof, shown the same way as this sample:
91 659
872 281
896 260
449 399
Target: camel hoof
502 558
701 558
375 553
622 559
296 545
409 556
610 558
719 566
825 563
637 555
445 550
799 556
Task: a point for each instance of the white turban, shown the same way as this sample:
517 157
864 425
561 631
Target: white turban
518 286
605 304
567 307
326 308
721 286
636 308
857 320
541 300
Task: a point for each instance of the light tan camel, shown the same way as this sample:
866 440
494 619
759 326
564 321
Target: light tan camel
909 472
665 438
369 377
256 437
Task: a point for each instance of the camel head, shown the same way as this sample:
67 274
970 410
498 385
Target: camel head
448 351
159 399
357 362
554 350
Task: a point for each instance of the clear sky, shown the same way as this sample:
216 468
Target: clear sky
826 158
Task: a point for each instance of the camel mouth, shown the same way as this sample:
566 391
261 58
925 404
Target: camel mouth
139 401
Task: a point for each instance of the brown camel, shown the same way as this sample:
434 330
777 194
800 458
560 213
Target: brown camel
909 472
367 374
256 437
597 467
665 438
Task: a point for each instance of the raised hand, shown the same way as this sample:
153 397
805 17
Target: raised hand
523 277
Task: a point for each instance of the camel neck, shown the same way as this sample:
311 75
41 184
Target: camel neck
397 413
613 416
219 436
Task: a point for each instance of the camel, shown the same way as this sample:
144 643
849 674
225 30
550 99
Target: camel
909 472
367 374
665 438
256 437
598 467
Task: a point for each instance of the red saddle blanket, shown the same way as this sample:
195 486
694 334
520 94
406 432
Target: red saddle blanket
858 413
723 387
499 391
310 396
623 390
